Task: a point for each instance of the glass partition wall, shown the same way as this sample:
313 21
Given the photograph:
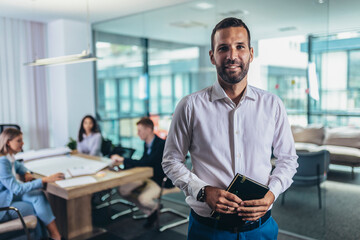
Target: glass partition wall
306 52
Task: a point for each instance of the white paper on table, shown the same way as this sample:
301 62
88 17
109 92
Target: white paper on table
42 153
49 166
76 181
86 169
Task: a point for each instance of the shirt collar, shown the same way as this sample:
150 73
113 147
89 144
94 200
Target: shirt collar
11 157
219 93
86 136
150 144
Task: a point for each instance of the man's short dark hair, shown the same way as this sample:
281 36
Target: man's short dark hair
147 122
226 23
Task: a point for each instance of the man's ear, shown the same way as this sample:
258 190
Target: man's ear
251 54
211 55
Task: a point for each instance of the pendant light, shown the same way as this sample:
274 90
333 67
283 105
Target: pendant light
84 56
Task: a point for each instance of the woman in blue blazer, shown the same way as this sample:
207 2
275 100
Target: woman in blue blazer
26 196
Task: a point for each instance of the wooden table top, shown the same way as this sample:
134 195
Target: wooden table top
109 179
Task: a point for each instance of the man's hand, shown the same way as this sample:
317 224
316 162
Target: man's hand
252 210
28 177
117 159
221 201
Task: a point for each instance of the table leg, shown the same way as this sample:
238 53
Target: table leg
73 217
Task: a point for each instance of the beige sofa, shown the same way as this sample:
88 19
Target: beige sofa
343 143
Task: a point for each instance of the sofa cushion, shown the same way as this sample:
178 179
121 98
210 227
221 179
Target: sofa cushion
309 134
343 136
306 147
343 155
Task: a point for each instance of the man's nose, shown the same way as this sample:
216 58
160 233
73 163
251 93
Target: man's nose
232 54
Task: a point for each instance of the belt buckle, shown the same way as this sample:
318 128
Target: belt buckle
248 223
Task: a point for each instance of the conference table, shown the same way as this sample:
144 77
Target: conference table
72 205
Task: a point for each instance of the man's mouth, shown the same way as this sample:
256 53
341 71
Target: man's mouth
232 66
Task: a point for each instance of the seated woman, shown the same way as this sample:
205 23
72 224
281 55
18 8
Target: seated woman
27 196
89 138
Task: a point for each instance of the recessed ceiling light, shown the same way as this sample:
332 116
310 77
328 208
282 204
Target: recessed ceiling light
204 5
285 29
235 12
188 24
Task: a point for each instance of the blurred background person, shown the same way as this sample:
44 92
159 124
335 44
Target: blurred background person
145 193
89 138
25 196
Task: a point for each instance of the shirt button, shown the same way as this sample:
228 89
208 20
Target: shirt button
238 155
237 132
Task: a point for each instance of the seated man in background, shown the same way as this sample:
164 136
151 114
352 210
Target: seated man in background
145 193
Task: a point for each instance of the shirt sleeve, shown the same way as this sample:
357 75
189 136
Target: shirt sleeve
20 168
9 181
79 147
95 145
176 147
284 151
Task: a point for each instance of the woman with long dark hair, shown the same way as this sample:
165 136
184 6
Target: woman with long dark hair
89 138
25 196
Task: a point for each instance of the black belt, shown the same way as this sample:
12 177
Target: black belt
239 226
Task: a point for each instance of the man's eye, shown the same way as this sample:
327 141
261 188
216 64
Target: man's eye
240 47
222 48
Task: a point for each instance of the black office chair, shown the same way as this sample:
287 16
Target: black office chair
9 125
106 147
106 198
312 170
123 151
184 218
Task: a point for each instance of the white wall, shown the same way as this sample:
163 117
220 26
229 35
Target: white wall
71 86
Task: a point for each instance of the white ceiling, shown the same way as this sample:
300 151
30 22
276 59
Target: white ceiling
155 19
99 10
265 18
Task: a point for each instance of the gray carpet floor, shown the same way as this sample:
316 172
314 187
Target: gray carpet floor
339 216
299 218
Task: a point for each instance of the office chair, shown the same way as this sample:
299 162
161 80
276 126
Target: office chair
106 198
184 218
4 126
312 171
106 147
17 225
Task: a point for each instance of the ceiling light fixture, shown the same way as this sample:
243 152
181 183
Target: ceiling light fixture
84 56
204 5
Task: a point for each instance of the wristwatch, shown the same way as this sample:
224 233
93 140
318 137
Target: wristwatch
201 195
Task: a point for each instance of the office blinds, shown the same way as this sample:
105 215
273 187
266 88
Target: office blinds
23 89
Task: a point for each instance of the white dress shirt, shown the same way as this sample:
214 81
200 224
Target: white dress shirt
225 139
90 145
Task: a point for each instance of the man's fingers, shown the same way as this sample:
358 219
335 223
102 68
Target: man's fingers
247 211
225 209
259 202
232 197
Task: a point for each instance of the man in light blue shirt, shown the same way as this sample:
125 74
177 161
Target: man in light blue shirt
230 128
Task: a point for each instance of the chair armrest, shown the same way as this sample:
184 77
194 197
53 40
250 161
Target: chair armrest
20 217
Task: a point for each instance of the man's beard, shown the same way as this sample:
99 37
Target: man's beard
233 78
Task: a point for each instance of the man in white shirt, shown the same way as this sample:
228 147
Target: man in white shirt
230 128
